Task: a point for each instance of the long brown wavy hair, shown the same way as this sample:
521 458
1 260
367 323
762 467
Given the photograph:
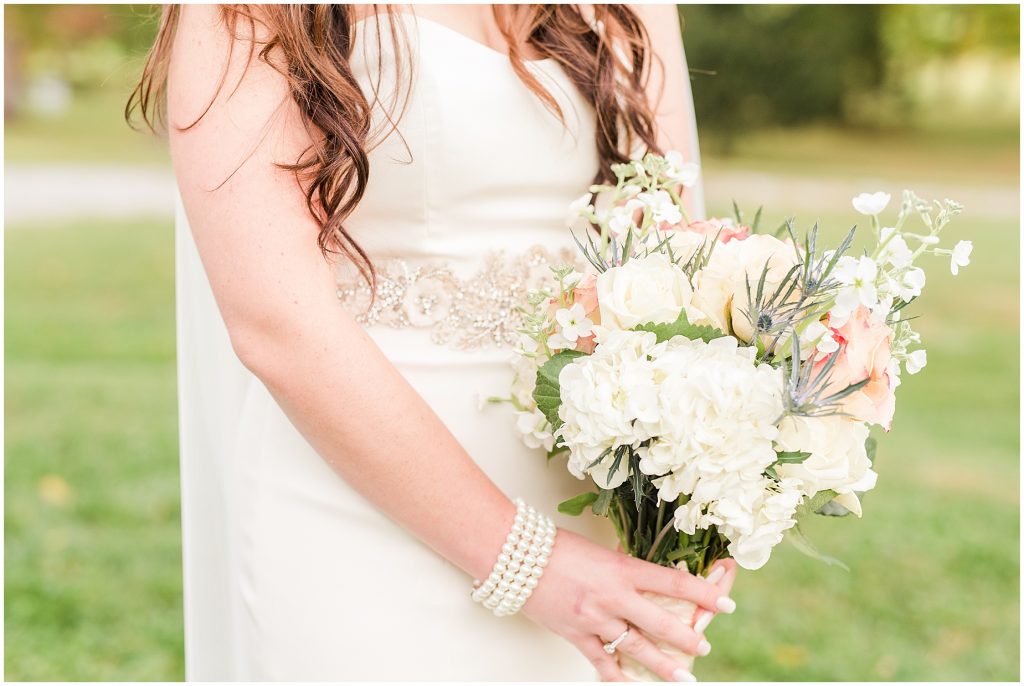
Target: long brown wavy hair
604 51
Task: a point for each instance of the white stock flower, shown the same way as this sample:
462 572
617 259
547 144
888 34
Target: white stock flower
645 289
819 337
574 322
663 210
578 207
871 203
838 460
911 284
893 369
858 276
916 361
557 341
895 251
961 256
621 220
680 171
535 429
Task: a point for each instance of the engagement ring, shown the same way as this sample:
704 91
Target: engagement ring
610 647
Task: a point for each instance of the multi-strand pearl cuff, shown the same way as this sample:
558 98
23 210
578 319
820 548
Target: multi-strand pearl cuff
520 564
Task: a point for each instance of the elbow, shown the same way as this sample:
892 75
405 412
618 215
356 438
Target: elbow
262 350
250 348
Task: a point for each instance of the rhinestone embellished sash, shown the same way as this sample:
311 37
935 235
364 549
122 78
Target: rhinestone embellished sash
475 312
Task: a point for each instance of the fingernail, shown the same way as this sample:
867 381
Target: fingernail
682 675
726 604
716 575
701 625
703 648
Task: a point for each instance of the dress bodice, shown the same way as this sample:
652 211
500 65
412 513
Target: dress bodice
478 163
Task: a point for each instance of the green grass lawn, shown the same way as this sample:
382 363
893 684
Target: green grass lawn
932 592
93 569
92 130
93 561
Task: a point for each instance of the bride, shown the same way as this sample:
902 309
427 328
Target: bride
342 482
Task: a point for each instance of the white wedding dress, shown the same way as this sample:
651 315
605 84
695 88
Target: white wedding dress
289 573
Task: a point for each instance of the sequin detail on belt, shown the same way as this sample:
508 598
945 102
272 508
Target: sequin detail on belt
465 313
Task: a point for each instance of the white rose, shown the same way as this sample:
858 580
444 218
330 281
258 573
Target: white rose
645 289
838 460
714 285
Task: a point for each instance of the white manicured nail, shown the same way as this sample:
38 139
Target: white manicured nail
682 675
716 575
701 625
726 604
703 648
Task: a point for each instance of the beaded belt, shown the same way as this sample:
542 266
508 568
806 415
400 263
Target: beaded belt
475 312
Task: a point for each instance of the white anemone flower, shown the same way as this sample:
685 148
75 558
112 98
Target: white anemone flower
916 361
871 203
961 256
574 322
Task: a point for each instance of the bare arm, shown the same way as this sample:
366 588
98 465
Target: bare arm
276 293
277 296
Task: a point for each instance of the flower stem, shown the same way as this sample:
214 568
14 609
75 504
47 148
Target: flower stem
657 540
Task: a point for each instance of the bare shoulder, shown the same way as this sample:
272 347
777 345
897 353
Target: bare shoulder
224 104
661 22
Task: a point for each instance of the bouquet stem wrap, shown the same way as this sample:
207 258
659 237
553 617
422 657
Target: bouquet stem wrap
684 610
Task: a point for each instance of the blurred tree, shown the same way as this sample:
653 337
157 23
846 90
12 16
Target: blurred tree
784 65
82 45
757 65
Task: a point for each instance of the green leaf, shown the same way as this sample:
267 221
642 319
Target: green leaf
816 502
681 327
801 543
754 225
792 457
546 392
557 451
575 506
871 446
603 502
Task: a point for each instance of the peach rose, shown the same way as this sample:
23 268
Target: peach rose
725 229
721 287
864 353
585 294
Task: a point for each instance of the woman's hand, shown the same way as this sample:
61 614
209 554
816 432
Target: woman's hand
589 595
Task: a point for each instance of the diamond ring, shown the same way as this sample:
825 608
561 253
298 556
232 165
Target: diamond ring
610 647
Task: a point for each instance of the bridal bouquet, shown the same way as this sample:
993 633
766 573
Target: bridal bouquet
716 384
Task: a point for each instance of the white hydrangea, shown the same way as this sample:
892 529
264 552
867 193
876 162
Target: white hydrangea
530 422
775 512
603 397
701 416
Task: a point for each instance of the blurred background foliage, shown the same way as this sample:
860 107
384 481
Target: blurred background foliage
799 106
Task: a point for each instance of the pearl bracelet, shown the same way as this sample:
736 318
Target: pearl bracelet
520 564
